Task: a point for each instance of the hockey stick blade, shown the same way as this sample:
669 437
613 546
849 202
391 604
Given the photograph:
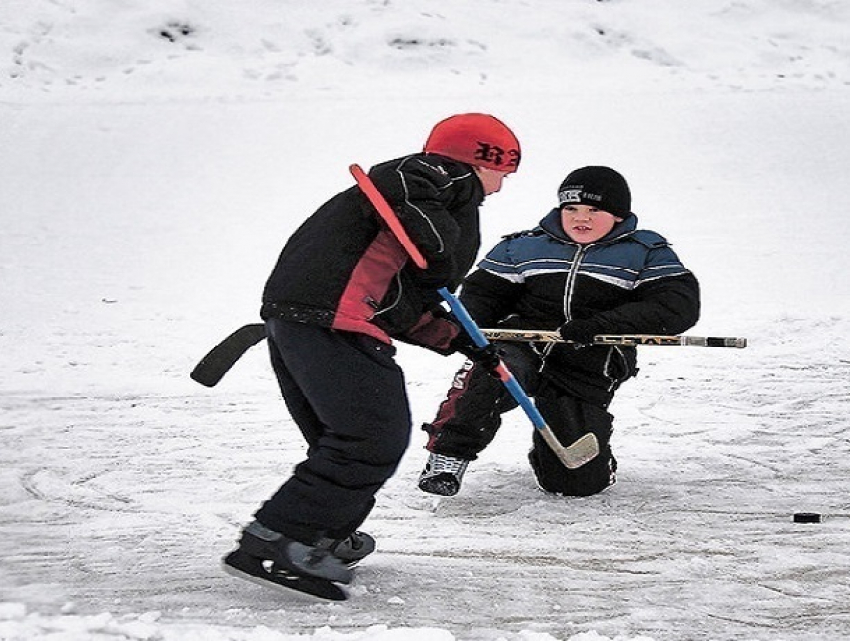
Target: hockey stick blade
542 336
218 361
577 453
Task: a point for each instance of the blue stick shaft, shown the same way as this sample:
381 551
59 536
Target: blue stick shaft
573 456
508 379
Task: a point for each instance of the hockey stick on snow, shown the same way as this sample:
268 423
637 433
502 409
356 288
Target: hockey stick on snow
572 456
542 336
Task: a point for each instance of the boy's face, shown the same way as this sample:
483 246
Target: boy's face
491 179
586 224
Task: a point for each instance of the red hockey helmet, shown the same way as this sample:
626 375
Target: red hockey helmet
476 139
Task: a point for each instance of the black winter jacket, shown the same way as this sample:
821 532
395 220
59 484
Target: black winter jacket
629 282
343 269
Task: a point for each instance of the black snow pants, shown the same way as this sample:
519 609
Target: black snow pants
470 416
347 396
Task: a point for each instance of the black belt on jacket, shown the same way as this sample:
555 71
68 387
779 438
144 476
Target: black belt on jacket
297 313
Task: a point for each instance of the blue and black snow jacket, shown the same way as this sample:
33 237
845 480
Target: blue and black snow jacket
629 282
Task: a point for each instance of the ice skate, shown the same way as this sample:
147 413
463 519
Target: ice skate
442 474
269 558
353 548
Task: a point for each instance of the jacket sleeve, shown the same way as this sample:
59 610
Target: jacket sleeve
488 296
491 292
421 193
434 331
666 299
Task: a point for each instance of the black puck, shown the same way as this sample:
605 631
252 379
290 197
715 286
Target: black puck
806 517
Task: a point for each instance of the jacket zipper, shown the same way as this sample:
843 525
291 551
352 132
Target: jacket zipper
607 369
568 294
571 279
377 306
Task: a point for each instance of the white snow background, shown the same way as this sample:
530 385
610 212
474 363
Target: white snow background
156 154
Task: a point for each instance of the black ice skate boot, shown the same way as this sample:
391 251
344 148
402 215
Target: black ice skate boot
353 548
270 558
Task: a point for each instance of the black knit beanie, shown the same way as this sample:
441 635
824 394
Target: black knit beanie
600 187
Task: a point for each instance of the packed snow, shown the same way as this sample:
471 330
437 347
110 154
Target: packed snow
156 154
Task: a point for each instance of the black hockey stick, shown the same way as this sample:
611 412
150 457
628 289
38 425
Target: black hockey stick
543 336
212 367
218 361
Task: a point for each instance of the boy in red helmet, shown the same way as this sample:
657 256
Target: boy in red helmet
341 290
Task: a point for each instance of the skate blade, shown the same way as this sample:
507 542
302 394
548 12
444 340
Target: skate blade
250 569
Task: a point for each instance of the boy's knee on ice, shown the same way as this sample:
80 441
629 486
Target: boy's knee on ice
570 418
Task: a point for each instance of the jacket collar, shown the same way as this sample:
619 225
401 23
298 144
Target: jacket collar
551 224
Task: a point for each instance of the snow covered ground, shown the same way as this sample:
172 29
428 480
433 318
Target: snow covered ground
154 156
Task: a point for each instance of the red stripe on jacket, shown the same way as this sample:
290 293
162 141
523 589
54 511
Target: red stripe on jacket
368 284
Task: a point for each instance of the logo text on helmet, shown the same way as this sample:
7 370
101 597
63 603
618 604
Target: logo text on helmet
570 196
495 155
577 196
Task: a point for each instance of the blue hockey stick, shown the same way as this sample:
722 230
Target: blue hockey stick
572 456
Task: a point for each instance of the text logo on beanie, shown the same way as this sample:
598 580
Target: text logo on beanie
600 187
476 139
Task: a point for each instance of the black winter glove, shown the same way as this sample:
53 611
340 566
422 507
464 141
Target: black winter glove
580 331
487 357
